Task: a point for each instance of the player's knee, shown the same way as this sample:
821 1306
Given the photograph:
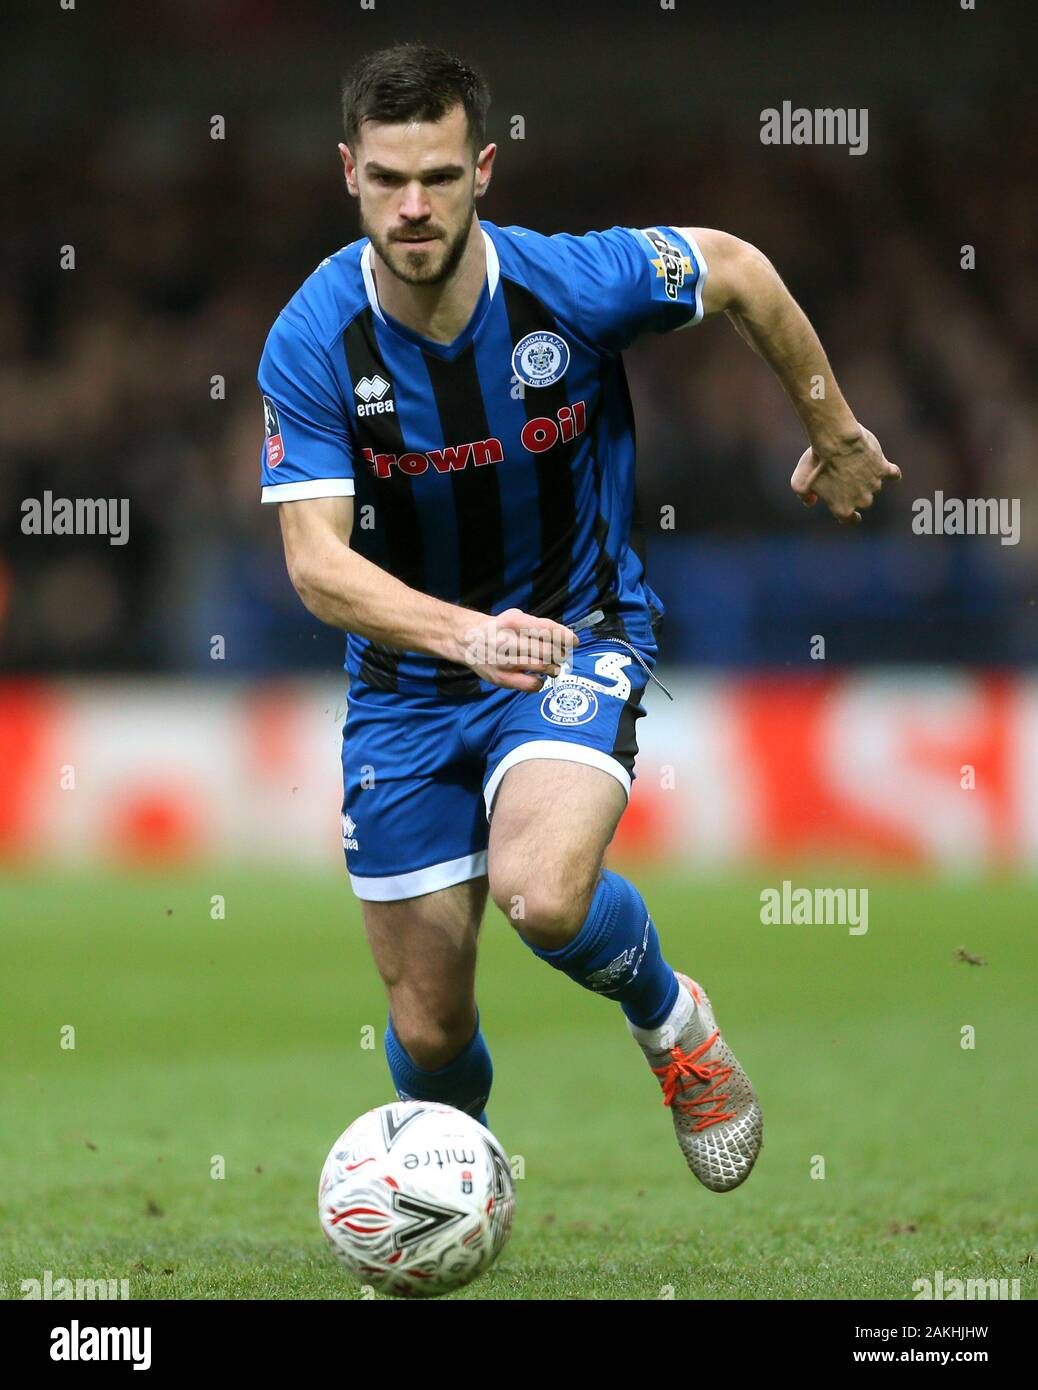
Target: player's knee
546 908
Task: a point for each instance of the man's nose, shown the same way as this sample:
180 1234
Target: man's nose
415 204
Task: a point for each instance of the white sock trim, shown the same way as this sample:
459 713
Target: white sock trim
665 1036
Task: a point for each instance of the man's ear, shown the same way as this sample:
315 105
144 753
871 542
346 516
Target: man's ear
484 168
350 169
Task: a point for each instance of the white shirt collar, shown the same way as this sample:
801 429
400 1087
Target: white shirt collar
493 272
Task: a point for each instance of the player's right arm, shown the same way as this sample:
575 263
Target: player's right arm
343 589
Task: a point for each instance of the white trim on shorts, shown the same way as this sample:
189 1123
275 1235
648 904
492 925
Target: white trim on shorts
418 881
564 752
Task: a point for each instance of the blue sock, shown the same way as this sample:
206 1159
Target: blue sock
464 1082
617 953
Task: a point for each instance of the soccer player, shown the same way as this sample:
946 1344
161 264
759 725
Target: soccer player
449 440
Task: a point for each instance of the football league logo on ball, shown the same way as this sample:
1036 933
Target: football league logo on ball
540 359
569 704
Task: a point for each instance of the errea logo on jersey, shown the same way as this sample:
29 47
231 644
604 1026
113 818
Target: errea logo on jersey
672 265
372 392
349 825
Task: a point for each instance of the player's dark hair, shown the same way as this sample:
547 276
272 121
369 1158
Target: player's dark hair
413 82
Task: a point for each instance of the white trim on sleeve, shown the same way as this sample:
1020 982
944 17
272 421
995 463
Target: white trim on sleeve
311 487
700 282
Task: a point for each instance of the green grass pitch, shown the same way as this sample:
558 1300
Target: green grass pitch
243 1038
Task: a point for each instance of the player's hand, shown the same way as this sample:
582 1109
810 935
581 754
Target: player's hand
846 477
514 649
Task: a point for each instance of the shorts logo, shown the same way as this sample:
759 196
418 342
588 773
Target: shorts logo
540 359
569 702
272 429
349 825
612 665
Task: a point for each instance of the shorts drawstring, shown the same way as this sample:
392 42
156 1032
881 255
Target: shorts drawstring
590 619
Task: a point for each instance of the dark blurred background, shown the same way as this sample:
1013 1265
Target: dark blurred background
186 247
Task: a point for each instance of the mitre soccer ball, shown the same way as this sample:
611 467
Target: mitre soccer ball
416 1199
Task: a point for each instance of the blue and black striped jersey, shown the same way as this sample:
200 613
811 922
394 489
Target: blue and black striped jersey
498 470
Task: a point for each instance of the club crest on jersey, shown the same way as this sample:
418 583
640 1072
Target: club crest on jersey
672 265
569 702
272 429
540 359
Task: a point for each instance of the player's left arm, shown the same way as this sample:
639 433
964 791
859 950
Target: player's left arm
844 464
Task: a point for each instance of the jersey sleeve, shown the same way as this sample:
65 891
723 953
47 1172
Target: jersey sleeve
630 280
307 449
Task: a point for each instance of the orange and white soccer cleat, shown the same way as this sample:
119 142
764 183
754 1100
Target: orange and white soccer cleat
717 1117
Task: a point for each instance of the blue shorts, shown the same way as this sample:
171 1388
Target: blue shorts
420 772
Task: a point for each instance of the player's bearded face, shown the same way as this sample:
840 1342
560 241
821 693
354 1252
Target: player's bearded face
416 195
420 253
